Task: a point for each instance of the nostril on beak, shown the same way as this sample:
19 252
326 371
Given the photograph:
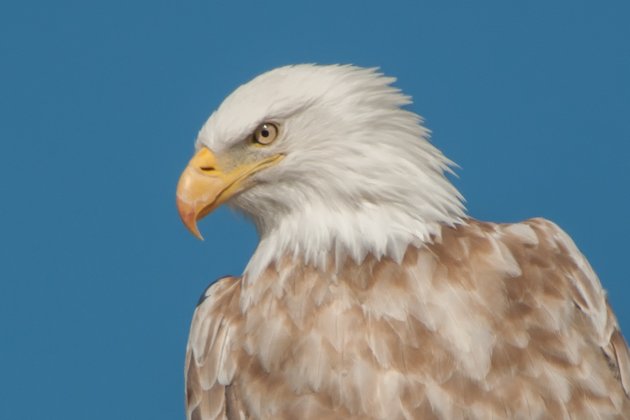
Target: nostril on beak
207 168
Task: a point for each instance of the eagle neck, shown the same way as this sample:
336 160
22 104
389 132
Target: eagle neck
325 238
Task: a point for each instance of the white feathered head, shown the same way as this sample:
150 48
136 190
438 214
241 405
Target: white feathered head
324 160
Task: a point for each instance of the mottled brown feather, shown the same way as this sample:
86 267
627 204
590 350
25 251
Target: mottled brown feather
487 321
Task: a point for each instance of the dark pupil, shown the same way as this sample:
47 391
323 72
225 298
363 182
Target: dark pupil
264 133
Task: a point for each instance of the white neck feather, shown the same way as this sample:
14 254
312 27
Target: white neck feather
323 238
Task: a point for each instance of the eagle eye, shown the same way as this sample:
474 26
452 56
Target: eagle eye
266 133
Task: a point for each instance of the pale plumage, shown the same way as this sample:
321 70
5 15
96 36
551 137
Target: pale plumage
371 294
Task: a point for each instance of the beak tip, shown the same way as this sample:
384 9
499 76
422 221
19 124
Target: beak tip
191 224
189 218
197 234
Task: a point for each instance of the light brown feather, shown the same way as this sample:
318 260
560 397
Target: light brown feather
489 320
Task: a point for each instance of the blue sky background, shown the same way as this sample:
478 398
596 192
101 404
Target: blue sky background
100 103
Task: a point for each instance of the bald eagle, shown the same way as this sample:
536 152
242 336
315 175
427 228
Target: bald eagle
372 295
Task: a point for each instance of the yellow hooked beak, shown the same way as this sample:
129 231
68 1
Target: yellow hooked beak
203 186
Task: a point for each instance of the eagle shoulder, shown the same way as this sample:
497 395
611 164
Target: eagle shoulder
548 342
210 365
589 297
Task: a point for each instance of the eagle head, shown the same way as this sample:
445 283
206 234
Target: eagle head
327 163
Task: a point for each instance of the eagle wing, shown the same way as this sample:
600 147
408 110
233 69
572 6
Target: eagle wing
589 296
210 364
554 346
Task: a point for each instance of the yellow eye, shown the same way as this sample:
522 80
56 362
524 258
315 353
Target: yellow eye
266 133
